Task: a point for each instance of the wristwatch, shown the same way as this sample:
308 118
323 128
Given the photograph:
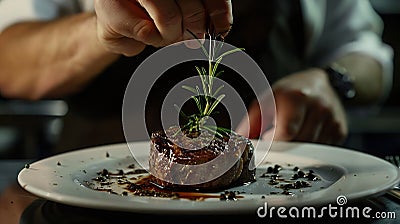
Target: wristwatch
341 81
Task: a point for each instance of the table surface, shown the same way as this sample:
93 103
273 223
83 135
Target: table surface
19 206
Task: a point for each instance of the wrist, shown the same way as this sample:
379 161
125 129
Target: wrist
341 81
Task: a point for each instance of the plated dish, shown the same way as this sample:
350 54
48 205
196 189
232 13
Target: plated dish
75 178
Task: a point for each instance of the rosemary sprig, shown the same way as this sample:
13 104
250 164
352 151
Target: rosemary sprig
205 97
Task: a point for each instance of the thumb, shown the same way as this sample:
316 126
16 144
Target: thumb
250 125
260 117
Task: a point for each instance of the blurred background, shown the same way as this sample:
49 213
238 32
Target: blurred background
32 130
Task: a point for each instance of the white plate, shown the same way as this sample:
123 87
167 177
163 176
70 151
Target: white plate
65 178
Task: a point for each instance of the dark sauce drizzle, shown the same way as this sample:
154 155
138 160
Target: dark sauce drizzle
145 184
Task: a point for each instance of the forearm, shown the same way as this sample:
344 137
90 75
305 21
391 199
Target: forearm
50 59
367 74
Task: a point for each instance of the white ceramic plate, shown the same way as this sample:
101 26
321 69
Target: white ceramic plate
68 178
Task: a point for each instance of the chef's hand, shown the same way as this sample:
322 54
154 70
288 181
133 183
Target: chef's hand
308 110
127 26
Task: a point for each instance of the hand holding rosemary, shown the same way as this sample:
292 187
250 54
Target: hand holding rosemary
206 98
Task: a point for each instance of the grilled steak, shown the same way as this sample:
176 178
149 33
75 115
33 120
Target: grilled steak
204 162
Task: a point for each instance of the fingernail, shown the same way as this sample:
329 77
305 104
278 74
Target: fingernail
193 42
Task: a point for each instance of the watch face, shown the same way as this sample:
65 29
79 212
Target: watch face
341 82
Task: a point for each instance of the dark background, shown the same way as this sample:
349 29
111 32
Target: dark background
42 128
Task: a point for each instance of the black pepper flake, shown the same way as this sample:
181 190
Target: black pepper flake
296 169
104 173
274 176
295 176
125 193
58 163
27 166
100 179
277 168
107 154
312 177
297 184
228 196
140 171
301 174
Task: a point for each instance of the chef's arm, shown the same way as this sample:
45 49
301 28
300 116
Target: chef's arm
50 58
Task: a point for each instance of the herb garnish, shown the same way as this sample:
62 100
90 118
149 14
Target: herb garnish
206 98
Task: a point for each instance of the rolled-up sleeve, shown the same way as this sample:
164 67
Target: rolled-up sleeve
14 11
352 27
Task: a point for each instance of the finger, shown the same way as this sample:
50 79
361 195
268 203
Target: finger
268 135
194 18
112 25
250 125
291 111
131 21
220 14
260 117
167 18
326 133
331 134
313 123
126 46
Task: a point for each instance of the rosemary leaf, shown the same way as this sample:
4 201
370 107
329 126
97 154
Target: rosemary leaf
189 88
181 112
229 52
217 91
215 103
198 104
219 73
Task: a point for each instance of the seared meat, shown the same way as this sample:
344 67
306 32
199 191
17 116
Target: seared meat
203 162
